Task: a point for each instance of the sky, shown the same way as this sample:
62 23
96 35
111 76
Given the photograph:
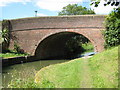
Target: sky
13 9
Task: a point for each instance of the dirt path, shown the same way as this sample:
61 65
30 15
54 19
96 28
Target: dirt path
86 81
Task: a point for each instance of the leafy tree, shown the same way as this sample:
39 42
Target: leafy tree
75 9
112 32
112 23
74 44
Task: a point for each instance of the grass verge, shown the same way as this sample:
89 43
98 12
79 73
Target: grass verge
104 69
11 54
99 71
103 72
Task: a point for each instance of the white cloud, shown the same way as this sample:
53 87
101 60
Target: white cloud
5 2
41 14
101 9
52 5
55 5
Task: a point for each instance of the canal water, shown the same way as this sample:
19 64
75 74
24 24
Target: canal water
25 70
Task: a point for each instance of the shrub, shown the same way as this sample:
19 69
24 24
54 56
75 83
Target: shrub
112 25
18 49
5 35
5 39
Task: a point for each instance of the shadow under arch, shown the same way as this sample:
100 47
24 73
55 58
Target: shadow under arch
53 46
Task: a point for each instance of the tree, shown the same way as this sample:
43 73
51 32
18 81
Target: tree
74 47
112 23
75 9
112 32
74 44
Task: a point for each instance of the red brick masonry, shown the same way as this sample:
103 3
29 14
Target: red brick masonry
31 32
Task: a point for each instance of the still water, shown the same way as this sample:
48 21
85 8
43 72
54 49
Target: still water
25 70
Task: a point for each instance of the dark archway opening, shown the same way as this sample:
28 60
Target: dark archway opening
63 45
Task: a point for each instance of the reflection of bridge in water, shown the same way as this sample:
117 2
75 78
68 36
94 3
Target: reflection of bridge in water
45 37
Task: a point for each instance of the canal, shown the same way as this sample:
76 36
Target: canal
25 70
28 70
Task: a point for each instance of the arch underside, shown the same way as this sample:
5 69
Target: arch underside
53 47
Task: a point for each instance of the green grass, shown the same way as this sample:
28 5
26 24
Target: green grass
99 71
104 68
19 83
103 72
88 48
10 55
60 75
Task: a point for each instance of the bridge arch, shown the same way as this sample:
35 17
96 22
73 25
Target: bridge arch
52 45
30 32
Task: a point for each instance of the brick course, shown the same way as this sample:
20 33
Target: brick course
30 32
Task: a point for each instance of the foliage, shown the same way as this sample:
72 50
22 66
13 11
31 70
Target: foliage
5 35
74 45
108 2
88 47
112 24
4 39
5 31
17 48
75 9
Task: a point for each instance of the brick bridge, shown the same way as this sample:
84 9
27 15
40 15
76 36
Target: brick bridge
45 37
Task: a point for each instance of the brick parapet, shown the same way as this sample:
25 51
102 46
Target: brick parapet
58 22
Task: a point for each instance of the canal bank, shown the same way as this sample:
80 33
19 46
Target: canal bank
24 71
17 60
24 59
98 69
22 67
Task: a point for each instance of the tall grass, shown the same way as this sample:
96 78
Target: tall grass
20 83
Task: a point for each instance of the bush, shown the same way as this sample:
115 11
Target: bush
112 25
18 49
74 45
5 35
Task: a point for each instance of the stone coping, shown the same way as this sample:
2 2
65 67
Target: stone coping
60 16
